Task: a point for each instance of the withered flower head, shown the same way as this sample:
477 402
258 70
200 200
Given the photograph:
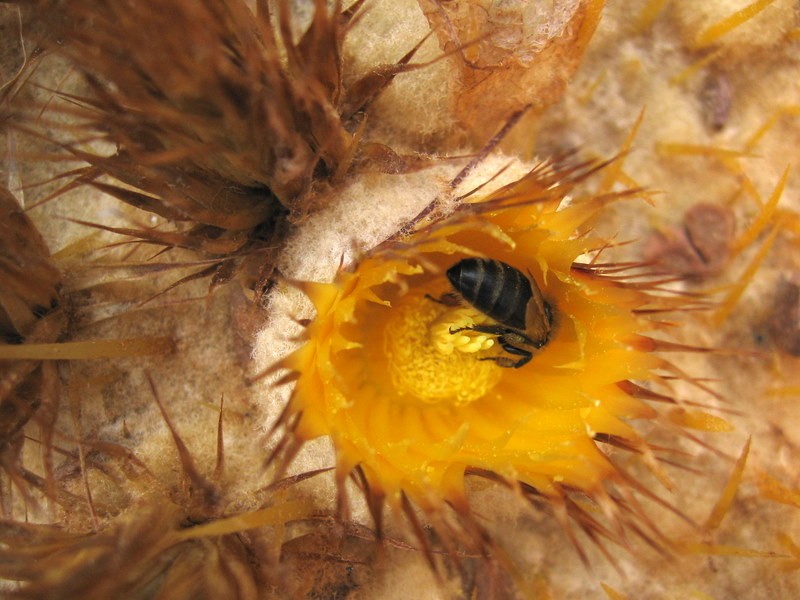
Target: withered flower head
223 120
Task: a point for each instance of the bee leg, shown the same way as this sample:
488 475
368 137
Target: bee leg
510 340
502 361
507 362
508 346
510 336
515 339
516 351
490 329
448 299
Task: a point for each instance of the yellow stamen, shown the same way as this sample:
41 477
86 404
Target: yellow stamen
422 364
444 339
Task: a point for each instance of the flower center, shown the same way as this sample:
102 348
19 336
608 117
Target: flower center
429 363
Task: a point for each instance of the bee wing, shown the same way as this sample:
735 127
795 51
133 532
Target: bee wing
537 316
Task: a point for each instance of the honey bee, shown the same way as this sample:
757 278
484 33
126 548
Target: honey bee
514 301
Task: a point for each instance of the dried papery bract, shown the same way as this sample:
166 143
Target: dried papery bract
408 387
511 54
30 277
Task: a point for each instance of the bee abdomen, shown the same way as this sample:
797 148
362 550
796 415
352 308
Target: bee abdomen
494 288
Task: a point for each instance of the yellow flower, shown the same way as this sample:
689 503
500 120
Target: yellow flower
410 394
